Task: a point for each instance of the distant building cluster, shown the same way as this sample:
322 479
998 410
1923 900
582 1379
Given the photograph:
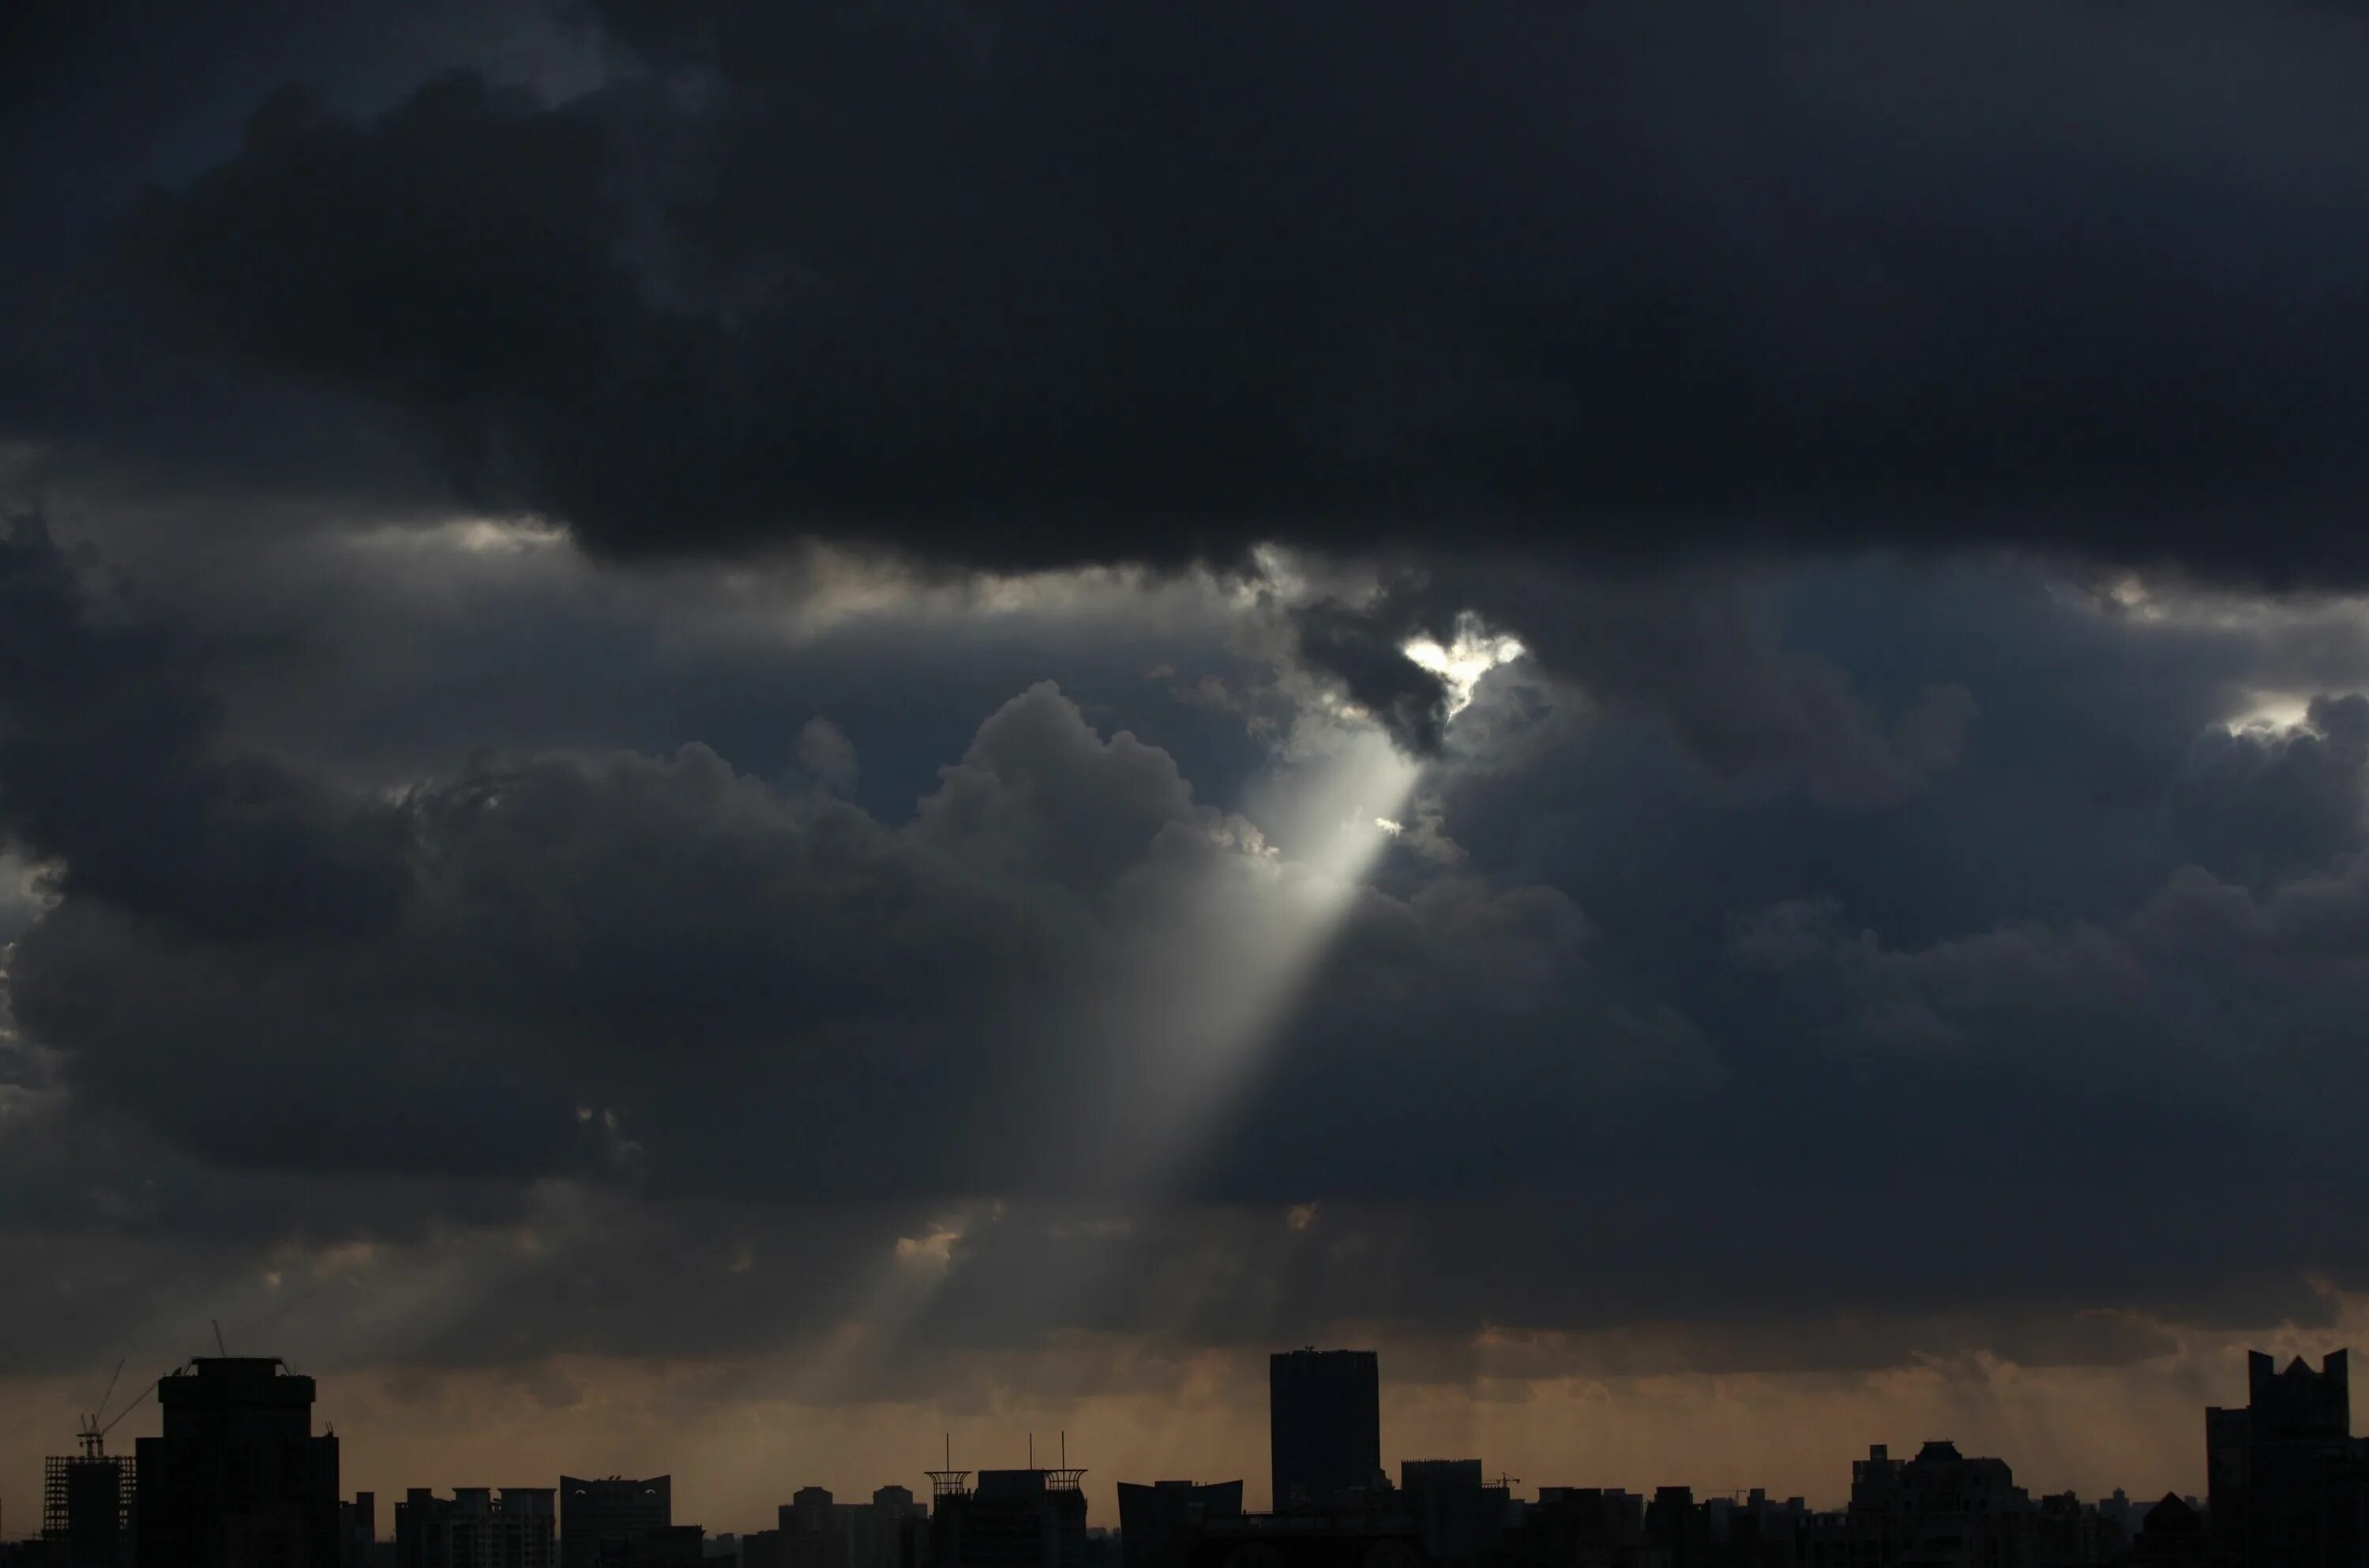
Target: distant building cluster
238 1479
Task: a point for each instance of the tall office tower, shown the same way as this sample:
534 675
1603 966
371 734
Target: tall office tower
1325 1428
237 1479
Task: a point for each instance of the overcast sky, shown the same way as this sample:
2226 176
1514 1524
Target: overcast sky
729 736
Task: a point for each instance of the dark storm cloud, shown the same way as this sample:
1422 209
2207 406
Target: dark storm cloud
785 1000
108 770
1043 282
2079 961
1941 890
2258 806
99 100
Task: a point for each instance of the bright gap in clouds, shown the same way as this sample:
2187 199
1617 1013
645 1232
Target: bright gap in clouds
1475 651
2272 710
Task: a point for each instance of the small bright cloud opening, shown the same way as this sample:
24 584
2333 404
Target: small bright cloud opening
2272 710
1475 651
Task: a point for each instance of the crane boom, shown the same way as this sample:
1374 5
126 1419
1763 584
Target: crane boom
130 1405
109 1394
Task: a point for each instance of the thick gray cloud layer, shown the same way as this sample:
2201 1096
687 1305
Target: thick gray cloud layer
1040 285
1634 987
1044 282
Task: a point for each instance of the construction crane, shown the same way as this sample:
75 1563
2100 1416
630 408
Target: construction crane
88 1432
98 1423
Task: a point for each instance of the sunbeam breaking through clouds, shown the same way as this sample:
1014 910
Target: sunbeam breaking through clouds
689 688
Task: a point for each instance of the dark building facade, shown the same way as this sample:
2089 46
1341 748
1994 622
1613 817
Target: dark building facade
237 1479
814 1531
2289 1483
603 1522
885 1532
1013 1518
477 1527
1460 1517
2173 1535
666 1546
1939 1509
357 1530
1157 1523
1325 1428
1571 1524
1365 1537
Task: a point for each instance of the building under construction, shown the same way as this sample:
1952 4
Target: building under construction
87 1498
86 1508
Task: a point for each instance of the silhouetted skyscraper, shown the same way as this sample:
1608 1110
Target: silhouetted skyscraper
2289 1483
237 1479
604 1521
1324 1426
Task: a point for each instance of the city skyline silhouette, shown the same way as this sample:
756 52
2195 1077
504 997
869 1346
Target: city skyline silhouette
237 1475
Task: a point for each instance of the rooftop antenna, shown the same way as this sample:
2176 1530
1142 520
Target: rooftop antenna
1065 1479
949 1482
1032 1450
218 1339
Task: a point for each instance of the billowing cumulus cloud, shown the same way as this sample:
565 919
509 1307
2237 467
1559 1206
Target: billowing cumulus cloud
602 939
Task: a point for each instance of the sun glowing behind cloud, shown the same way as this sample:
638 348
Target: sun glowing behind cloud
2272 710
1474 651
